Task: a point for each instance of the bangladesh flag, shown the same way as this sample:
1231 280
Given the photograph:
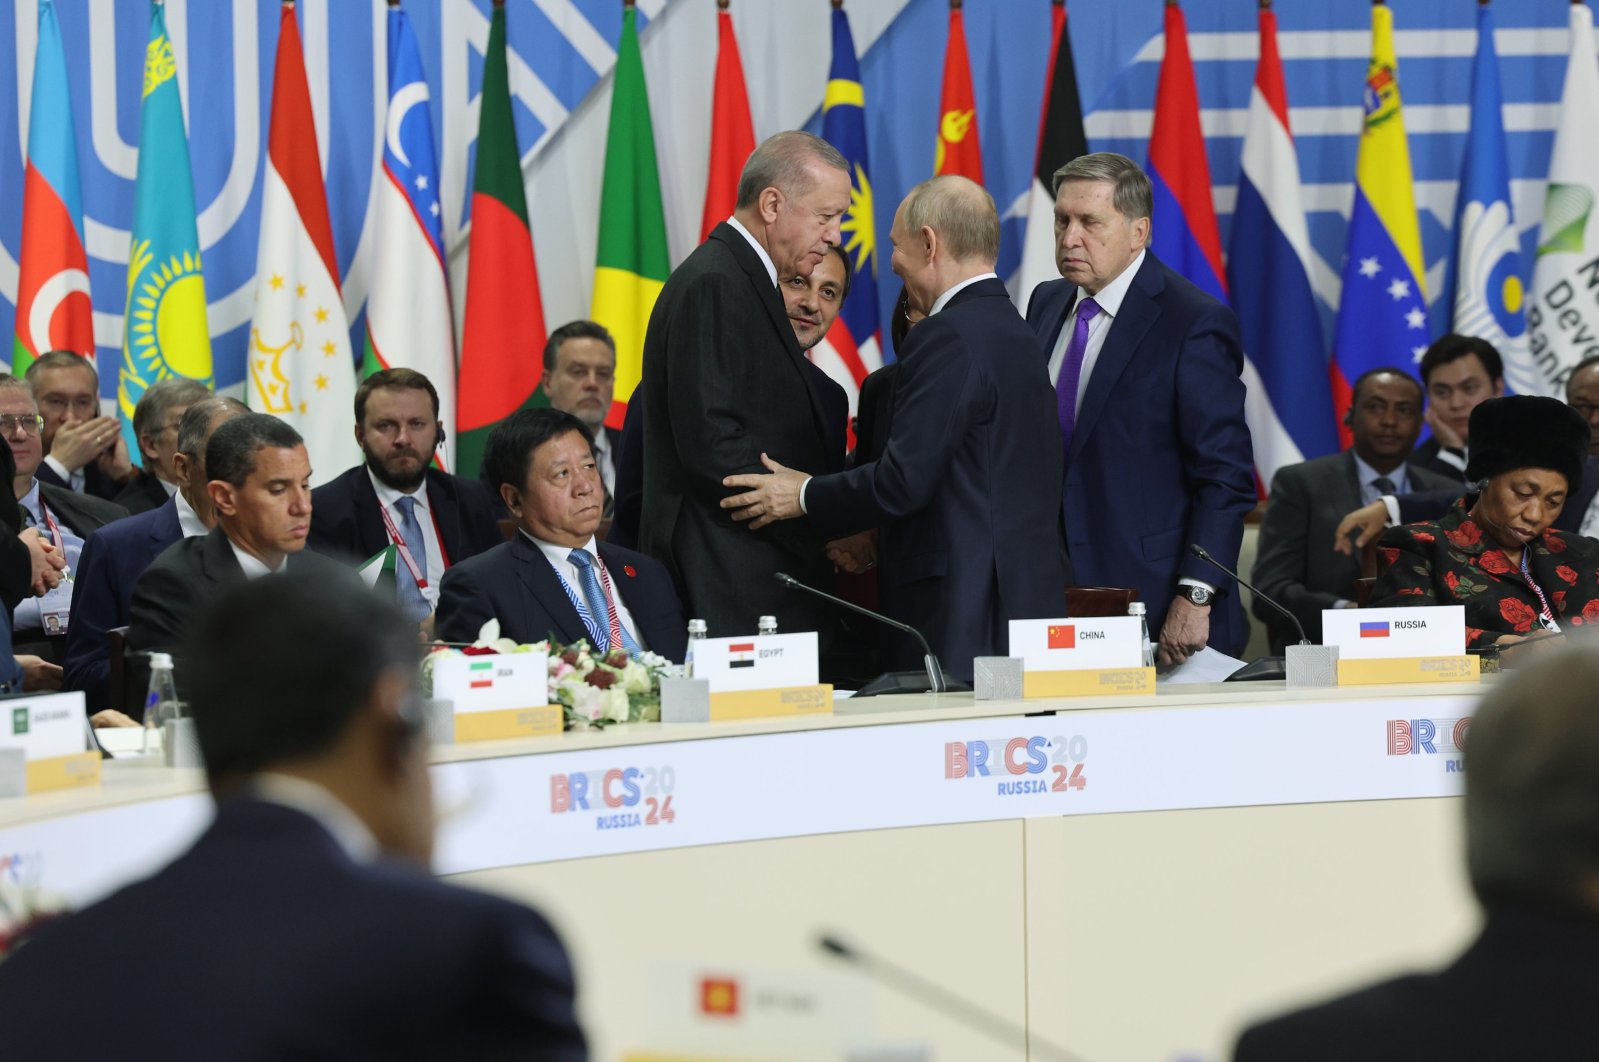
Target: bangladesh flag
502 342
632 263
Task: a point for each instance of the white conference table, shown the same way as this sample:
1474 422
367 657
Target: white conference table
1132 877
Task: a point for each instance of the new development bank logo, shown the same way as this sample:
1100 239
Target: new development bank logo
1431 737
635 796
1018 761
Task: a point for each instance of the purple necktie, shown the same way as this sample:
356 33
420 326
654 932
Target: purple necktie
1071 370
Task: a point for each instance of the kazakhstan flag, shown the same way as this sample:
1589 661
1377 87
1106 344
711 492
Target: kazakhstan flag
164 331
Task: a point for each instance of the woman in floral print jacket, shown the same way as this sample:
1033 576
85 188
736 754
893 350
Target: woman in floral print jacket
1495 551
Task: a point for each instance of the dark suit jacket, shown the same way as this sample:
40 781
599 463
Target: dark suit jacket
113 559
1297 566
270 943
967 490
1161 456
83 513
724 381
144 493
627 508
1426 456
1420 506
515 583
96 483
346 523
1523 990
874 413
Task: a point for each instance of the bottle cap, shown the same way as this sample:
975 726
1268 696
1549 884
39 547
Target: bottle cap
1136 608
767 621
696 626
161 660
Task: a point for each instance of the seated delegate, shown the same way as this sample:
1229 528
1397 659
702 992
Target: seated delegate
1496 551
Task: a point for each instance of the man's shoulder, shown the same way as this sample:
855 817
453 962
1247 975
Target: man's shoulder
1425 478
620 555
81 506
131 530
457 490
341 487
1313 469
1376 1023
494 557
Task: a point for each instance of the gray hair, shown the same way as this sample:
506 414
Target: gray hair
781 162
160 397
962 213
1532 783
1133 195
7 381
195 427
62 359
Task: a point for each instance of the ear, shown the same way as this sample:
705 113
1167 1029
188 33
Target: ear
512 498
221 493
768 203
146 449
360 436
1141 229
1349 416
930 241
180 468
440 426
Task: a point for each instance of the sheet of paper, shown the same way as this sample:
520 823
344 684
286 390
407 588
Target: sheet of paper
1207 665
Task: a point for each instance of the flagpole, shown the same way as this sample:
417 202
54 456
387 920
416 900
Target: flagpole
838 5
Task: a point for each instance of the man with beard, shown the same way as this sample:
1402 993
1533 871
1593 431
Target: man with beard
433 517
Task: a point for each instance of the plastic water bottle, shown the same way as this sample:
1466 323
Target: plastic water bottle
766 625
696 634
1136 608
161 702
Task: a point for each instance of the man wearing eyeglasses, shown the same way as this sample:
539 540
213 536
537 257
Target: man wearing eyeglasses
64 519
85 452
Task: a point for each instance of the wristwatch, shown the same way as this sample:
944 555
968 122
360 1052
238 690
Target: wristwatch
1196 595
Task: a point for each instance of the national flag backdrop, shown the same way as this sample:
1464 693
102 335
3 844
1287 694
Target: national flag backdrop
53 306
732 129
408 321
852 347
958 150
1288 401
632 263
502 341
1060 139
1382 315
165 331
301 365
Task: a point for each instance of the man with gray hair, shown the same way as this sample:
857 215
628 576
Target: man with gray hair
1525 988
967 491
155 425
1145 368
725 382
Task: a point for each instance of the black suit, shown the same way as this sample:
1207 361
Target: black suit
967 492
347 521
628 504
1524 990
515 583
725 381
96 483
266 941
1297 566
143 493
83 513
874 413
1427 456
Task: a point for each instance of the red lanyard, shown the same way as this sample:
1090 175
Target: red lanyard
1548 615
51 525
398 539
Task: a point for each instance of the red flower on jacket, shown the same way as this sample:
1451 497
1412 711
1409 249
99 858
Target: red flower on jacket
1519 614
1452 581
1554 543
1567 574
628 568
1467 534
1590 612
1389 555
1494 562
1424 536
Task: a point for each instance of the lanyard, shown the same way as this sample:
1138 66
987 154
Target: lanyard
51 526
1547 617
398 539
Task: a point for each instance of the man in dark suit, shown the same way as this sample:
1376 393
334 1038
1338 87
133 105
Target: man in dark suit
436 519
1146 373
580 379
725 381
1294 566
115 556
1459 373
65 519
85 452
260 490
1525 988
966 492
553 579
155 426
303 923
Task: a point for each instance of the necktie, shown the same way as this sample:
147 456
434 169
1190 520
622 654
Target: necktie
1384 486
604 628
410 595
1071 370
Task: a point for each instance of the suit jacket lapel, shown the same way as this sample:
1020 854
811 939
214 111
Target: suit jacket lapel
446 513
1055 320
544 585
1347 487
369 531
217 562
166 527
1137 315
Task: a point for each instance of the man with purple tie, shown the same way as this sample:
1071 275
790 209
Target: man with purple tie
1146 372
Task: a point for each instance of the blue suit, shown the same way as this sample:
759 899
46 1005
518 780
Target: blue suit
1160 455
113 558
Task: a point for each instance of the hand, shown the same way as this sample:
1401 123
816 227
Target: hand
48 564
1365 524
114 461
770 498
38 673
1185 632
424 629
110 717
75 445
1514 654
1445 435
857 553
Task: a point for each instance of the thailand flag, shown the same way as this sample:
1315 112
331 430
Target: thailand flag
1289 404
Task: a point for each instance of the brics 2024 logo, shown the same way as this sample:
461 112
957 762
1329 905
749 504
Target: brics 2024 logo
1018 762
1432 737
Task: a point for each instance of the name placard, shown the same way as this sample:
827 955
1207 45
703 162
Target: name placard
498 696
757 662
1092 643
48 731
1395 633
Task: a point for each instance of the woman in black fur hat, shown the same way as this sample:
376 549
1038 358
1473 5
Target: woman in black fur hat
1495 552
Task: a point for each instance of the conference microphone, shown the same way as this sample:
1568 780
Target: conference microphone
894 681
1267 667
944 1001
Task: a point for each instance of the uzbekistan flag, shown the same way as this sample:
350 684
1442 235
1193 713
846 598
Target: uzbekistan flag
53 306
1382 313
502 339
1374 630
958 149
632 263
852 347
165 331
732 129
1185 235
301 366
1288 401
408 320
1060 139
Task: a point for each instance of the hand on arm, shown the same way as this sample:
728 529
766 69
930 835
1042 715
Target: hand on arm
768 497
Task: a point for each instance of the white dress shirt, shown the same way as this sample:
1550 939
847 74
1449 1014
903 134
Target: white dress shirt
254 567
328 810
188 520
557 556
766 259
943 300
1109 300
1369 492
75 480
389 498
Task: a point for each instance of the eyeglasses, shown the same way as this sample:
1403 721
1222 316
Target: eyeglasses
86 406
30 423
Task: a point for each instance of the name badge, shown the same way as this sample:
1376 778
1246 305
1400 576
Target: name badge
757 662
1077 644
55 609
